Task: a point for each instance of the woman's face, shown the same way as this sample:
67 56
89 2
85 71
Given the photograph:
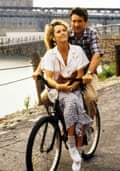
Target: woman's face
60 34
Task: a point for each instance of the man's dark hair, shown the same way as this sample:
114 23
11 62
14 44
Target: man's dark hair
82 12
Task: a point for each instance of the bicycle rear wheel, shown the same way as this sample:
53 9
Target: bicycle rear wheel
89 150
44 146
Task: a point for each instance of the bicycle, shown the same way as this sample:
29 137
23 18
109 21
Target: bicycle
45 141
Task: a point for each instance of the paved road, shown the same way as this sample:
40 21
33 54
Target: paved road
14 134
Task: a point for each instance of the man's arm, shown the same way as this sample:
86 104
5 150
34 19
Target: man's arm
91 68
95 61
38 71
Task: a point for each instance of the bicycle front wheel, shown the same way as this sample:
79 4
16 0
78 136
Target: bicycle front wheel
44 146
89 150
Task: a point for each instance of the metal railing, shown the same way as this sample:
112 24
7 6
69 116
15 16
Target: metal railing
111 29
22 39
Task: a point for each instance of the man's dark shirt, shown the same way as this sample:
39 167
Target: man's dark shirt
89 41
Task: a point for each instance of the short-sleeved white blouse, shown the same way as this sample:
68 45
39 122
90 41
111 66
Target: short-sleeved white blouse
53 61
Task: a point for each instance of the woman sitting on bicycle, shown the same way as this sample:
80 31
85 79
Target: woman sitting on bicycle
61 63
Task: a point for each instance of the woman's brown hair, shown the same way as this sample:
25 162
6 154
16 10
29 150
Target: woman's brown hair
49 32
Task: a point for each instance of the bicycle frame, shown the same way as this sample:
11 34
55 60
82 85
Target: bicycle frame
57 116
45 141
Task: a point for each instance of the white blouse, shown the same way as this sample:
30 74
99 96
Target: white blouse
53 61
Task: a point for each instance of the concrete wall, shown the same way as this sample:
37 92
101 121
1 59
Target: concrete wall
23 49
108 43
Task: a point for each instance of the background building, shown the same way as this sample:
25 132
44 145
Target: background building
28 3
24 17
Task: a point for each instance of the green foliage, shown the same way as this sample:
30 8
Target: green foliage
108 71
27 102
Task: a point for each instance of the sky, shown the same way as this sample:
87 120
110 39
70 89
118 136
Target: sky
75 3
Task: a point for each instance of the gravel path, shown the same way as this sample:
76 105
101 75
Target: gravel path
15 129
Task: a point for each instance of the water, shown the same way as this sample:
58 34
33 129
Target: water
12 96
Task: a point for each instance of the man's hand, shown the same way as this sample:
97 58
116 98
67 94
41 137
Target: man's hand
37 72
87 78
35 75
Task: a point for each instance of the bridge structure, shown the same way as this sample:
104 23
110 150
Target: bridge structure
17 38
35 18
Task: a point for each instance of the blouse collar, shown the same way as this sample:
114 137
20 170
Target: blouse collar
70 54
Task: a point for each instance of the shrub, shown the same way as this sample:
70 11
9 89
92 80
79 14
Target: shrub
27 102
108 71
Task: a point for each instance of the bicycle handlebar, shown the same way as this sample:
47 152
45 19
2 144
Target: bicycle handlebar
40 77
75 79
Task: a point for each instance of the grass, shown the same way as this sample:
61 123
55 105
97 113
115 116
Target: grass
107 71
27 102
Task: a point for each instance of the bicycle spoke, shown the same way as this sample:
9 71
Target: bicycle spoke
89 150
45 149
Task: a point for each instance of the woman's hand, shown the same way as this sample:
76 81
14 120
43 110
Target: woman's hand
64 87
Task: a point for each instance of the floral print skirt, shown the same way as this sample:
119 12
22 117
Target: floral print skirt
72 106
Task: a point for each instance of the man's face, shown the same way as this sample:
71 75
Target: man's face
78 23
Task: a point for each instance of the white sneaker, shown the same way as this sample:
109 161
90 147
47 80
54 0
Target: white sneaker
76 166
74 153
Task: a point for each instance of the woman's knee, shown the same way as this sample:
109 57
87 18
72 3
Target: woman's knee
44 97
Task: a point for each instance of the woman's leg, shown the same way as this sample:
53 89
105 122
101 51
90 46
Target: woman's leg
74 153
79 139
73 109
